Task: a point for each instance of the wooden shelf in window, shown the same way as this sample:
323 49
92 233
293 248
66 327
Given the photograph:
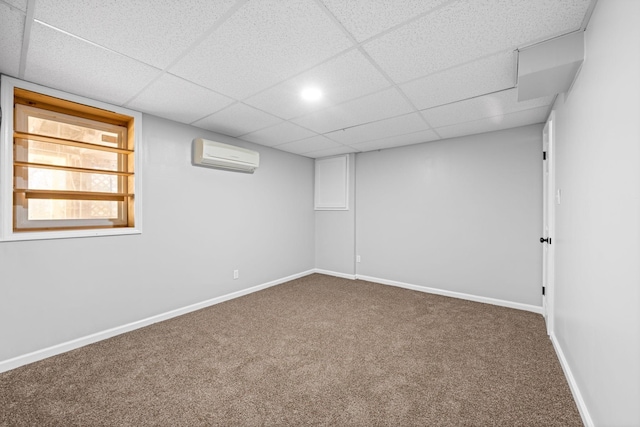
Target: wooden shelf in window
71 168
73 195
69 142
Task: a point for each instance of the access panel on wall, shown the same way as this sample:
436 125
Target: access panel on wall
332 183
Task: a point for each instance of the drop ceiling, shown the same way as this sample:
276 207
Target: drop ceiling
392 72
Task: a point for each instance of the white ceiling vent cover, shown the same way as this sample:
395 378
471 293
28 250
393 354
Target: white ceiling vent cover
223 156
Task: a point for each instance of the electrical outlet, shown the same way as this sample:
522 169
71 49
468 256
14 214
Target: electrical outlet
236 274
357 258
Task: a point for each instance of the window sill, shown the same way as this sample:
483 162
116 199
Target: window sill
68 234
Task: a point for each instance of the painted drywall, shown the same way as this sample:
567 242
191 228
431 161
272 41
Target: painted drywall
199 225
597 290
461 215
335 234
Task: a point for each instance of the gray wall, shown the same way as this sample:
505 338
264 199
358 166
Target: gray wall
199 225
460 215
597 292
335 234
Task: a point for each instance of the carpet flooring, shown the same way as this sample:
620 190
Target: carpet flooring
318 350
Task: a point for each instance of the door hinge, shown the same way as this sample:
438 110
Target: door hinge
543 289
544 155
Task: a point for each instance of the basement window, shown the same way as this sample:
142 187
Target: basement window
71 169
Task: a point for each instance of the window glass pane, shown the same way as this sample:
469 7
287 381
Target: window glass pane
51 179
73 132
58 125
42 209
64 155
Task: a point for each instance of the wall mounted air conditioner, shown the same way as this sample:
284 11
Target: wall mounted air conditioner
223 156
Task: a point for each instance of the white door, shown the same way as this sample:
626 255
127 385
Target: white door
548 219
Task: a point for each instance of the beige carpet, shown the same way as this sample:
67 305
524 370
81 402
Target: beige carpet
315 351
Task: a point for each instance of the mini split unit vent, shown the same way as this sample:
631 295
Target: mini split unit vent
223 156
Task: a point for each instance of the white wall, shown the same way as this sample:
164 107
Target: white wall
199 225
461 215
597 297
335 234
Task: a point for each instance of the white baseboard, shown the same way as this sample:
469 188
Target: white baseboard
25 359
335 273
573 385
469 297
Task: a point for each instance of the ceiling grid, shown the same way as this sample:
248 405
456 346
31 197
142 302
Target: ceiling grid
392 73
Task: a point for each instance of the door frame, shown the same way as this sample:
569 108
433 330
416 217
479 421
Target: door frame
549 199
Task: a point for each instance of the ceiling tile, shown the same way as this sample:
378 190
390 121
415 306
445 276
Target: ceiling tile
11 30
398 141
152 32
237 120
278 134
314 143
366 18
20 4
330 152
262 44
490 124
466 30
179 100
60 61
345 77
487 75
496 104
380 129
241 72
370 108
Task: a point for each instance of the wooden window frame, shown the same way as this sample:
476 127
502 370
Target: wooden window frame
13 223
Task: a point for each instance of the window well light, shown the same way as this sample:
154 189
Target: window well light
311 94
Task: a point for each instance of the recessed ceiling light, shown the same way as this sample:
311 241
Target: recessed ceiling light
311 94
